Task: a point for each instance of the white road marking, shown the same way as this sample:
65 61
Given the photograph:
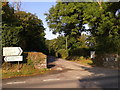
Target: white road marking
15 82
100 75
59 68
51 79
77 77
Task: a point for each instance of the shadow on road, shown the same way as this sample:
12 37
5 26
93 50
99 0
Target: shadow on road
50 60
100 78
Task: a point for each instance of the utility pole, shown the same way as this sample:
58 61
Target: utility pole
66 42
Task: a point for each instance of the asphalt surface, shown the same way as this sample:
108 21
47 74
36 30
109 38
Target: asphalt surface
69 75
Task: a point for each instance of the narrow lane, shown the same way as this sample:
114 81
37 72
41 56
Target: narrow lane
74 76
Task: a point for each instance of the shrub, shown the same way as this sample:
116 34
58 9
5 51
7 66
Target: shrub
85 52
62 53
77 58
81 58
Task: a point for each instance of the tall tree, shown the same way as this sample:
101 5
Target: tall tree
69 18
33 31
22 29
66 18
104 26
10 32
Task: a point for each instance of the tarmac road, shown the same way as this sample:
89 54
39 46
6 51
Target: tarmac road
69 75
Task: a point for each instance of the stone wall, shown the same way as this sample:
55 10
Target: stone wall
111 60
39 59
107 60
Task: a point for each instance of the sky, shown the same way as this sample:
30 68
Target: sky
39 8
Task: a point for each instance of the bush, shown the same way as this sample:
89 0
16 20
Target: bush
81 58
77 58
85 52
62 53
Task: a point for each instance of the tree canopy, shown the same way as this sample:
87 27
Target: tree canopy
22 29
69 18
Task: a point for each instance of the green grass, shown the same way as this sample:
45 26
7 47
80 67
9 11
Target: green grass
86 62
10 69
83 61
26 70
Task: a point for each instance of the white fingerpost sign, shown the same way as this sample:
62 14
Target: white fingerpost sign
11 51
12 54
92 54
13 58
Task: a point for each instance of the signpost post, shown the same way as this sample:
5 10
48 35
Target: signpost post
12 54
18 66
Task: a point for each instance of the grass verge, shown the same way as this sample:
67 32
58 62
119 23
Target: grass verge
26 70
83 61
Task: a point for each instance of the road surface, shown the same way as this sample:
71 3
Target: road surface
68 75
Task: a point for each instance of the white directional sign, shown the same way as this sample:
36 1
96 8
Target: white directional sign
13 58
9 51
92 54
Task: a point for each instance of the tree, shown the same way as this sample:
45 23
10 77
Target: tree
10 36
66 18
52 46
10 32
57 47
33 31
22 29
69 18
104 26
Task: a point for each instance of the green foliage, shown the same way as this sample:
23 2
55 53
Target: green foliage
52 47
66 18
80 52
27 66
81 58
55 44
69 18
26 70
62 53
72 45
7 14
33 31
22 29
10 36
104 26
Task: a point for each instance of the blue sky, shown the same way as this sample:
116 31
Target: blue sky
39 8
